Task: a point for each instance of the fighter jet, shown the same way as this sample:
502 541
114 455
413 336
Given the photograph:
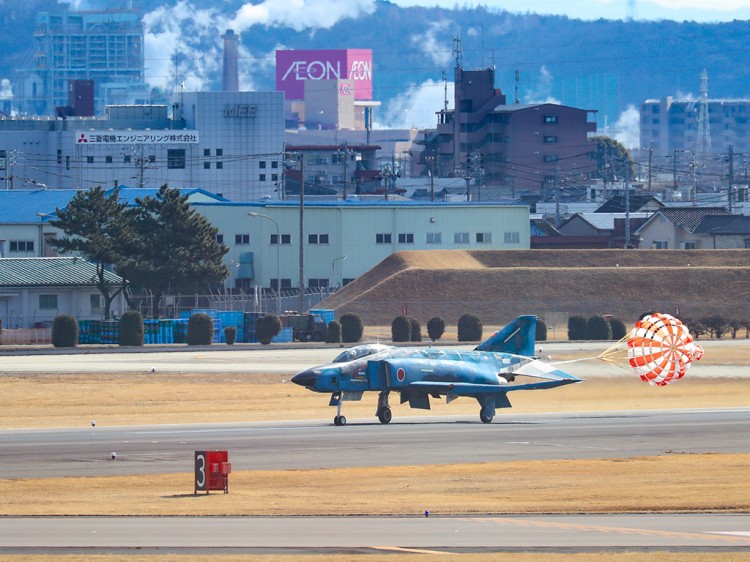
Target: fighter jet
487 373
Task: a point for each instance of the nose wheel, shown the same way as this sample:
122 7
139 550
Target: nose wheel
336 400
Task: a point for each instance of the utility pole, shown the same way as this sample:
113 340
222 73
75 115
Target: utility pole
346 157
650 163
731 176
674 170
301 234
627 204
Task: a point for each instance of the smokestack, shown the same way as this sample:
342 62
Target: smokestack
230 81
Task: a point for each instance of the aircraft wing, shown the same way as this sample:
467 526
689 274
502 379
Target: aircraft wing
552 377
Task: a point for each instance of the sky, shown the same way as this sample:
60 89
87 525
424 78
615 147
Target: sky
679 10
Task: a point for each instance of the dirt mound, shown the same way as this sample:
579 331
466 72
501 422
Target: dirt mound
552 284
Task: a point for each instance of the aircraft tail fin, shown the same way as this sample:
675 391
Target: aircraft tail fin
518 338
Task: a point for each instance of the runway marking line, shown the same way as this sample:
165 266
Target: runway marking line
412 550
621 530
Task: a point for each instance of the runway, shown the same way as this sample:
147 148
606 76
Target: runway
41 453
438 535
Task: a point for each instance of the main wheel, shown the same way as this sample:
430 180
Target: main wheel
385 415
339 420
486 418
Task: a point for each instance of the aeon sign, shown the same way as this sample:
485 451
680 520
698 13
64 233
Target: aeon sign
294 67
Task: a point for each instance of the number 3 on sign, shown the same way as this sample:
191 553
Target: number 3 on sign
200 471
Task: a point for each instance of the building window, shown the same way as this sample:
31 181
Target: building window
21 246
384 238
434 238
347 280
242 239
48 302
689 245
89 159
550 138
97 304
219 238
460 237
126 159
219 152
660 245
176 158
317 239
317 283
506 140
484 237
274 177
550 158
108 159
262 177
285 239
274 164
220 165
550 118
406 238
262 164
152 159
511 237
207 165
206 152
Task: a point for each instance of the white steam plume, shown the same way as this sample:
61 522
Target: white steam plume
439 53
184 46
627 127
416 107
300 14
543 91
6 90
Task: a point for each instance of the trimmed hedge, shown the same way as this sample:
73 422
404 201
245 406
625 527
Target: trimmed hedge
598 329
618 328
400 329
541 330
333 332
415 329
266 327
230 334
64 331
131 328
469 328
200 329
435 328
352 328
577 327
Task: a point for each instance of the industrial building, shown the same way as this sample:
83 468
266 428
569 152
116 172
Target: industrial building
344 239
101 46
228 143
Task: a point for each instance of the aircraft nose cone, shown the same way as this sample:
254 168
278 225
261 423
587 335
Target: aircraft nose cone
305 378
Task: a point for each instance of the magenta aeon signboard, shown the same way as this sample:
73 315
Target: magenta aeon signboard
294 67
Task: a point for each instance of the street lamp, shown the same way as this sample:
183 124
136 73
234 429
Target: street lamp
333 268
278 253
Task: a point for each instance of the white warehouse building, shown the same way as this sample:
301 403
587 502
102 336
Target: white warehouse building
228 143
344 239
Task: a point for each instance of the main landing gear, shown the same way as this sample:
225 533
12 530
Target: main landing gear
384 411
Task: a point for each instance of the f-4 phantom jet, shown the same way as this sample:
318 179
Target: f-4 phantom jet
503 363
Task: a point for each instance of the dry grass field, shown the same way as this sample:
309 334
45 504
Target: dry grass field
676 482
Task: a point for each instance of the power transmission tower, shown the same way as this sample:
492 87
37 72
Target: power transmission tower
703 139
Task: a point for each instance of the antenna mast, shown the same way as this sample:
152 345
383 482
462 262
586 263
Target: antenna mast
457 51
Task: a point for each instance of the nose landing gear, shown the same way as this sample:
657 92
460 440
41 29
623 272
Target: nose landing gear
384 411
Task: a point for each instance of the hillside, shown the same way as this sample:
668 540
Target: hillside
553 284
601 65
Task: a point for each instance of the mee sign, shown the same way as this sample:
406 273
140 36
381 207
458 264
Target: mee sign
294 67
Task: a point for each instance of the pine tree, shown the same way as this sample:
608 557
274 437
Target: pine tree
95 228
178 247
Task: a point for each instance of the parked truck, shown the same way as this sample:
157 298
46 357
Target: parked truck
305 327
